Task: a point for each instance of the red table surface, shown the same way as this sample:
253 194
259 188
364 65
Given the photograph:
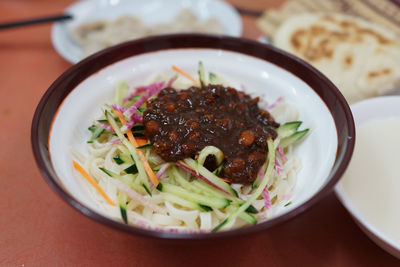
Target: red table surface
39 229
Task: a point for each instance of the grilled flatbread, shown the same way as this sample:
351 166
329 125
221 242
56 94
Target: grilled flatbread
361 58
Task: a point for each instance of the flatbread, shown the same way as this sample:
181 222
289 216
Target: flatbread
360 57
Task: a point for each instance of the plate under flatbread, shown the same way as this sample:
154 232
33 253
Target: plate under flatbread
360 57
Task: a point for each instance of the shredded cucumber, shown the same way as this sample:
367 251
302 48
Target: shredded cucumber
287 141
142 172
122 199
213 202
210 150
126 179
258 191
210 176
201 74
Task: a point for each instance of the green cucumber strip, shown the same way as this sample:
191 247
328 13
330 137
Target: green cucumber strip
293 138
146 187
141 109
201 74
123 214
205 208
118 159
288 128
142 172
248 217
160 187
127 179
244 215
126 156
210 150
212 77
120 92
149 145
208 189
260 188
96 132
219 226
131 169
210 176
123 158
218 170
252 209
103 121
183 182
180 201
122 199
215 192
185 203
218 203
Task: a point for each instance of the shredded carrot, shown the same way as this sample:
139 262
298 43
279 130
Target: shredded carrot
225 180
181 72
92 182
135 144
142 141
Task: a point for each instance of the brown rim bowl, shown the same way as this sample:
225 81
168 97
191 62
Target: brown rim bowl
46 111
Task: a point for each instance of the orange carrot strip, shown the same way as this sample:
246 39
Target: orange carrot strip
181 72
142 141
133 141
225 180
92 182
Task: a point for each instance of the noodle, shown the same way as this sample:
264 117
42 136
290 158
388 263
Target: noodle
174 213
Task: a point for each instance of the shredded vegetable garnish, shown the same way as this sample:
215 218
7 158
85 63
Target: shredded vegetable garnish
281 154
184 74
273 105
92 182
133 141
187 195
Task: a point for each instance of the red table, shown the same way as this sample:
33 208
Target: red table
40 229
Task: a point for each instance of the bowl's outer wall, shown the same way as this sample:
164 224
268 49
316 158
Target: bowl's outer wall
53 98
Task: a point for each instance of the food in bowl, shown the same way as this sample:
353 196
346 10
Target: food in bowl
97 35
197 159
360 57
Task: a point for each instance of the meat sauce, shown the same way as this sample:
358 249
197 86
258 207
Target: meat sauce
181 123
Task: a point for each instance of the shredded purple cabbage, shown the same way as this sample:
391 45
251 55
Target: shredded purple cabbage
273 105
119 108
152 89
105 126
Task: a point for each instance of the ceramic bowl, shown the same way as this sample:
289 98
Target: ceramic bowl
74 99
374 109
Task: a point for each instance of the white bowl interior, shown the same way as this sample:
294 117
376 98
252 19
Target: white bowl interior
366 111
150 12
317 152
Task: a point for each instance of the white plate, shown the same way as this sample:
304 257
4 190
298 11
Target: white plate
150 11
373 109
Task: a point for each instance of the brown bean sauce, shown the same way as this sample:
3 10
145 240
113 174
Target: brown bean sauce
181 123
